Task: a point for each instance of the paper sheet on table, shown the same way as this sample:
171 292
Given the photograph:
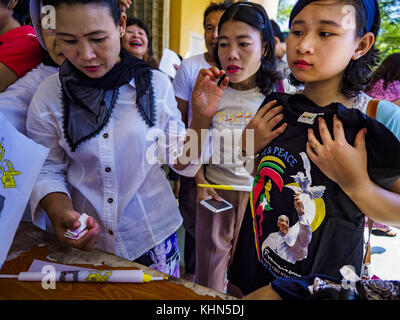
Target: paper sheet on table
168 59
20 162
37 266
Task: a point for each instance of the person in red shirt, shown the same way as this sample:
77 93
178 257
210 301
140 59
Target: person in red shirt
19 47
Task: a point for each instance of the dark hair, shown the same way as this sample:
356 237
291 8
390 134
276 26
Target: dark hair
112 5
20 11
5 3
277 31
358 72
389 71
142 25
255 16
214 6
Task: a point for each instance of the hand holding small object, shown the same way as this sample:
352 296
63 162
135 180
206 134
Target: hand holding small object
207 93
69 220
81 231
207 193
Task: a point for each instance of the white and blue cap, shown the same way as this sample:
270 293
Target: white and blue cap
35 11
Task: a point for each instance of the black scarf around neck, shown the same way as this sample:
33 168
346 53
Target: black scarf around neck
88 103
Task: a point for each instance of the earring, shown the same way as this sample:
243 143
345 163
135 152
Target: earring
121 34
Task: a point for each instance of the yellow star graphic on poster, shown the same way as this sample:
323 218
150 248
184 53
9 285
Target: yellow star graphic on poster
7 170
8 176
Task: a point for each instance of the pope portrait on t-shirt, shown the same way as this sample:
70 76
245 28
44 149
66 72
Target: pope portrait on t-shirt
290 242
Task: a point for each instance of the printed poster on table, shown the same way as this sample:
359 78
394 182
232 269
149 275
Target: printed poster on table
20 162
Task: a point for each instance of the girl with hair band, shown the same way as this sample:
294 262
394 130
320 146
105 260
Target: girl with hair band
245 52
105 118
343 164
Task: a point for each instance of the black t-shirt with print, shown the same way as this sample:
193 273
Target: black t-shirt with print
278 240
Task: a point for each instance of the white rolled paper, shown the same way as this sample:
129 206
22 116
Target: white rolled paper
122 276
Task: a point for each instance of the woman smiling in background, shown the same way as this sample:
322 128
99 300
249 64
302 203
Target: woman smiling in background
137 40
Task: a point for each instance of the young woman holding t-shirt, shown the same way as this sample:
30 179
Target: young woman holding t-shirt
338 183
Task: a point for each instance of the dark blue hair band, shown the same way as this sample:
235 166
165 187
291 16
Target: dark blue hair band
369 6
370 9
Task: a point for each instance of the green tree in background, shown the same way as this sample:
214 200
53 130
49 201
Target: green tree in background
388 40
284 9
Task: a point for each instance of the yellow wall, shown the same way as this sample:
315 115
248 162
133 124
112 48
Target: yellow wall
185 16
175 25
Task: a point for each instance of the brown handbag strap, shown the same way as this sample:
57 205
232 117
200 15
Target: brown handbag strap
371 112
372 108
367 255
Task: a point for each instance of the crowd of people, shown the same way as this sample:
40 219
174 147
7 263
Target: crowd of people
302 122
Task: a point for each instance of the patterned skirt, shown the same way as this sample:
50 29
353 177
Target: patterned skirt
164 257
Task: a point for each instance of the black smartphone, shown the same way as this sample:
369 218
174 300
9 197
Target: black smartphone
221 79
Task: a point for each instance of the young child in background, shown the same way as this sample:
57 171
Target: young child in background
19 47
281 63
14 101
385 82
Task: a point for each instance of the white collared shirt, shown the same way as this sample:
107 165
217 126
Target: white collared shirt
14 102
112 180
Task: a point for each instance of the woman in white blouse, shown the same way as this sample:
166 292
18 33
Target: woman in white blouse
103 116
